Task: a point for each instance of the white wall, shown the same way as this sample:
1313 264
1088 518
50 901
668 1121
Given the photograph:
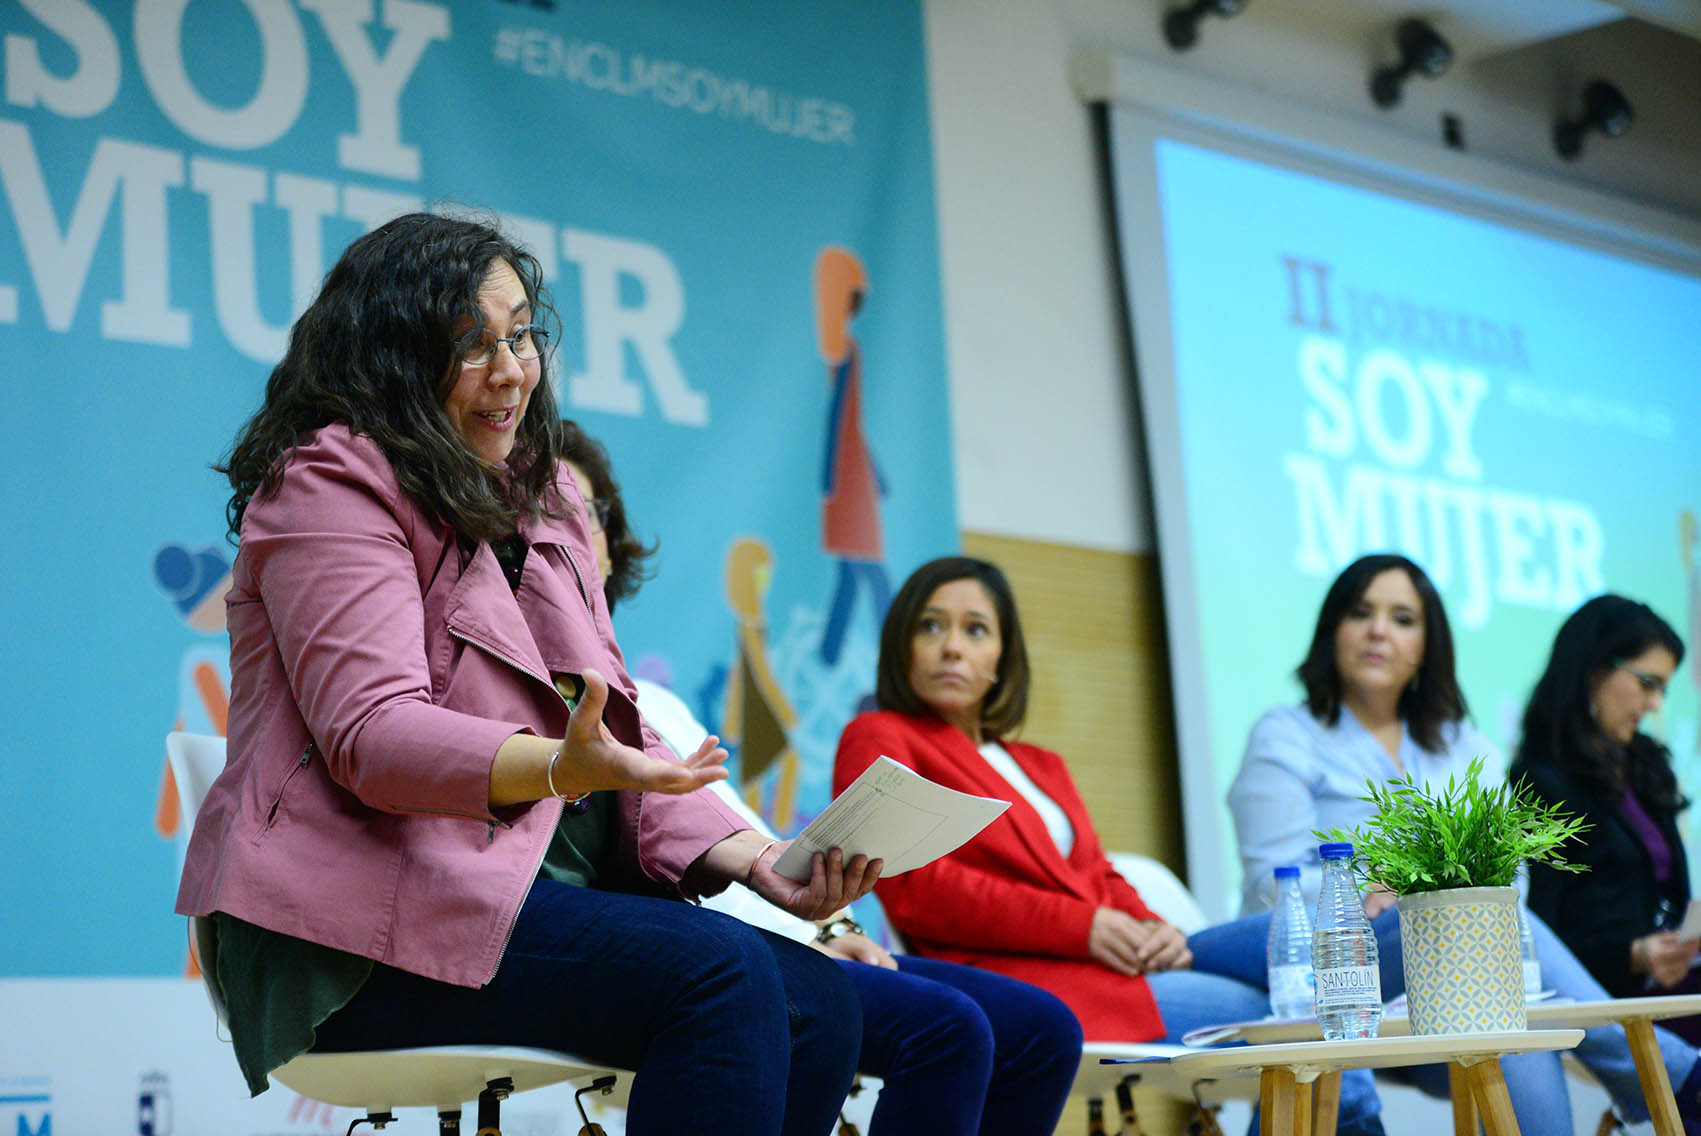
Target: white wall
1042 418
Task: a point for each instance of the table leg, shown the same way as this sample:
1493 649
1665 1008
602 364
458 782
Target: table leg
1489 1089
1651 1071
1276 1102
1303 1099
1326 1108
1464 1105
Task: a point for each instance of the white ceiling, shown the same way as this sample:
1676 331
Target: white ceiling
1484 29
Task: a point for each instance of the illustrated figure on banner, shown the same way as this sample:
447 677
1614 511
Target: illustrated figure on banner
850 511
757 718
195 581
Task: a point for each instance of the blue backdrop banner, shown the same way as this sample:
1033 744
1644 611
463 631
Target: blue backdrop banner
733 205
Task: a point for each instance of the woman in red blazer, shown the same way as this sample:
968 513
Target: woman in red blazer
1033 896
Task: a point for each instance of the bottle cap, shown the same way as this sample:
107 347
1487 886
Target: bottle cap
1287 872
1335 851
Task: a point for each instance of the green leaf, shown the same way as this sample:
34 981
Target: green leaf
1463 835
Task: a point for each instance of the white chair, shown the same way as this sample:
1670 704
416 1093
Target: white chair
1163 892
438 1077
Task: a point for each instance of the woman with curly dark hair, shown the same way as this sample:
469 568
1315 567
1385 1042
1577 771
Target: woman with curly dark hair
443 819
1583 747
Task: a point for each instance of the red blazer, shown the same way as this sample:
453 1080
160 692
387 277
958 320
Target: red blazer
1008 901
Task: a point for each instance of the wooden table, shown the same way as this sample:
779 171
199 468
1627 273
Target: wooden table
1288 1071
1636 1015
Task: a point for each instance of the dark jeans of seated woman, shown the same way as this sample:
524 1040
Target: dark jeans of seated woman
934 1032
734 1028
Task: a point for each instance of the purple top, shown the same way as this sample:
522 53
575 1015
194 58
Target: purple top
1659 851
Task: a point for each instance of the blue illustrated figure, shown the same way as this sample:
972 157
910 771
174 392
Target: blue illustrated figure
850 510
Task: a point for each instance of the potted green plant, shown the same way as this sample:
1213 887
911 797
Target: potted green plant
1450 858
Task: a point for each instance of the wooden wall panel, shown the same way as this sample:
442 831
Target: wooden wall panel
1100 696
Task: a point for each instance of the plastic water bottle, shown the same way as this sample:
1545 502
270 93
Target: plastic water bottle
1343 951
1288 950
1527 949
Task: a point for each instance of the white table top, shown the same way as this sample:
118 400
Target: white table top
1655 1007
1095 1079
1308 1059
1552 1014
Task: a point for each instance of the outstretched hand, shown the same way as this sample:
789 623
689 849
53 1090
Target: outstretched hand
593 759
832 883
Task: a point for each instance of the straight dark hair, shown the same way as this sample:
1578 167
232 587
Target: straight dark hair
1432 699
1559 721
1007 702
377 351
626 553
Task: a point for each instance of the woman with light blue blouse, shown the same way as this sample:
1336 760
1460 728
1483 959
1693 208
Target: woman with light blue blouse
1382 701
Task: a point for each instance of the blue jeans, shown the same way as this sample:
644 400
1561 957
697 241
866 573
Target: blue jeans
1229 982
962 1051
730 1029
1534 1081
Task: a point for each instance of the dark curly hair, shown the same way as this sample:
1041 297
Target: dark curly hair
626 553
1559 725
1432 700
376 351
1006 702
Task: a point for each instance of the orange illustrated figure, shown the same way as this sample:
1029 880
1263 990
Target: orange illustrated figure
758 716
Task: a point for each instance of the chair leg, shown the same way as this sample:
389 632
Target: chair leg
490 1105
605 1085
1125 1105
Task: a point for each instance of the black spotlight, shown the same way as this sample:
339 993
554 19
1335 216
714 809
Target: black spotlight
1422 52
1181 25
1604 109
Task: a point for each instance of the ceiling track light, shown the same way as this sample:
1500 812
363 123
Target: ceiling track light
1181 25
1604 109
1422 52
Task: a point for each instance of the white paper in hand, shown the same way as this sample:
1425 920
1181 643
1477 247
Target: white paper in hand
891 813
1691 927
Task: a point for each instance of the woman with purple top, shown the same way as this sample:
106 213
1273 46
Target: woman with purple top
1382 700
1583 747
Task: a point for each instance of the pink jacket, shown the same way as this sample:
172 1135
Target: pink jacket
376 667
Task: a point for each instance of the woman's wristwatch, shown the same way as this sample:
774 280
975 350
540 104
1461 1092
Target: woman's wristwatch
837 929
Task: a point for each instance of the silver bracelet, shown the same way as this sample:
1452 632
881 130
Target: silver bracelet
549 776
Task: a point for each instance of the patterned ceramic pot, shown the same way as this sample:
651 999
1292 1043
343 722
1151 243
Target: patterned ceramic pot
1463 970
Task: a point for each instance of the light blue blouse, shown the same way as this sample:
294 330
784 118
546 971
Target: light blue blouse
1298 775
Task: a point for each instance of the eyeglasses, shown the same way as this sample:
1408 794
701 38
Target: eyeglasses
601 508
478 347
1650 684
